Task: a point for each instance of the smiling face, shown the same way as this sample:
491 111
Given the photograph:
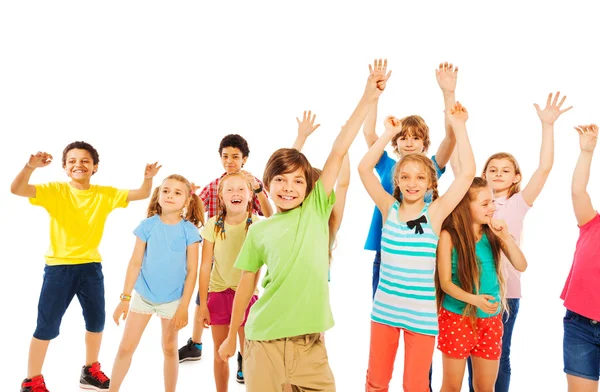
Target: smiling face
235 194
482 205
232 159
79 165
413 180
288 190
409 143
501 174
172 196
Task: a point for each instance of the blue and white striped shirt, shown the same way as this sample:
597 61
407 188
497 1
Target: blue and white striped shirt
405 296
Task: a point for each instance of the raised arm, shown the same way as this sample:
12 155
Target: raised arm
143 192
341 190
582 203
446 76
305 128
342 143
444 271
20 185
382 199
547 116
370 122
443 206
508 244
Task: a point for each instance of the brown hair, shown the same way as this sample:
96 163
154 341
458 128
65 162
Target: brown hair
415 126
459 224
288 160
222 210
424 162
192 212
514 188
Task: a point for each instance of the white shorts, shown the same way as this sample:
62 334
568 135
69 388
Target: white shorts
143 306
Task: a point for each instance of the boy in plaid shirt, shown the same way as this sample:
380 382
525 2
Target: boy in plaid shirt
234 153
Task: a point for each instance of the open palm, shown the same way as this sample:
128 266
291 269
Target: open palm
588 136
552 110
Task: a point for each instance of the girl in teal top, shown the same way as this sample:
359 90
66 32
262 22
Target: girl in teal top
470 288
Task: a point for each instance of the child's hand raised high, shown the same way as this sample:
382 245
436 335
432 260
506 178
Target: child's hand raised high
446 77
377 78
307 126
151 170
458 115
393 125
588 136
552 110
40 159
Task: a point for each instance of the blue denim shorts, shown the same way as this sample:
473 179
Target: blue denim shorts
61 283
581 346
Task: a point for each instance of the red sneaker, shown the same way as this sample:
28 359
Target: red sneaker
35 384
93 378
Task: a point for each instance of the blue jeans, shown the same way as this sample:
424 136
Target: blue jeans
376 268
503 380
581 346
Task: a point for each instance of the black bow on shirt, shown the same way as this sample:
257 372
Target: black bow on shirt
417 223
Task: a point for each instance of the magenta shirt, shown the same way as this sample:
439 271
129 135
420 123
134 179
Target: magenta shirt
512 211
581 293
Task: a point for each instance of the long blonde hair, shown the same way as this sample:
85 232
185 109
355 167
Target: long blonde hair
222 208
192 212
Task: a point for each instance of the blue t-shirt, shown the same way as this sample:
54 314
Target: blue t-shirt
164 267
385 170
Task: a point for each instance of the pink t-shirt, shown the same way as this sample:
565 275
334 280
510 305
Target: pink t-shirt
512 211
581 293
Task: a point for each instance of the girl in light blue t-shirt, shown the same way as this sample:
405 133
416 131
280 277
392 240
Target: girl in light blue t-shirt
162 270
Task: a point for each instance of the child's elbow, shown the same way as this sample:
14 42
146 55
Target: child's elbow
522 267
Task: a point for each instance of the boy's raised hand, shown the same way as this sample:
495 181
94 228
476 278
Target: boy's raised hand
446 77
307 126
377 77
588 136
552 110
392 124
458 114
40 159
151 170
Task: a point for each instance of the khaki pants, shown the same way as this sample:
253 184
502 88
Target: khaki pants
300 361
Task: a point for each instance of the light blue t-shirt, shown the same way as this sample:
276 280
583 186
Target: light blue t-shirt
385 170
164 267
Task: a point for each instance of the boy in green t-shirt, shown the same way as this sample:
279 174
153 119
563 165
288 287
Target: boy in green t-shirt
283 329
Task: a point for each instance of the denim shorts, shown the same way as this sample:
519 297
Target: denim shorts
61 283
581 346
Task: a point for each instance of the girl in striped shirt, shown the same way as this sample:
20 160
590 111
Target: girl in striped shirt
405 296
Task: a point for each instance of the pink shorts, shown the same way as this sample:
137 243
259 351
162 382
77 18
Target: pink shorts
220 306
457 339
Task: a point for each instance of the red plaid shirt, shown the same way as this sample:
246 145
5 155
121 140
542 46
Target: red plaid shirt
210 198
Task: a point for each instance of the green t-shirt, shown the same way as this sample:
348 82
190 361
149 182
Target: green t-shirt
294 247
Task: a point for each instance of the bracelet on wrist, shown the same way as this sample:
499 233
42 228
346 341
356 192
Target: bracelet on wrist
125 297
260 189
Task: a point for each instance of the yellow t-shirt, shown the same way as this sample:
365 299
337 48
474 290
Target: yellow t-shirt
224 275
76 219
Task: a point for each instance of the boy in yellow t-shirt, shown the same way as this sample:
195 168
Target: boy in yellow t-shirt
78 211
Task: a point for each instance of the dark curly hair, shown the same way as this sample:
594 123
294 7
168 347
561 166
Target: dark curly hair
80 146
235 141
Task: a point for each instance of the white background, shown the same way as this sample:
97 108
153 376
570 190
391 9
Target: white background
147 81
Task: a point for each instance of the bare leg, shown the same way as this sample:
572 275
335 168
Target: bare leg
134 328
171 362
454 372
580 384
92 347
198 327
221 368
37 354
485 373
